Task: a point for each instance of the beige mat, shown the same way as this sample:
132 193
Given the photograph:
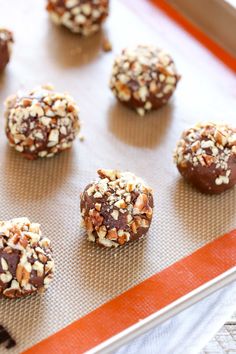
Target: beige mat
47 191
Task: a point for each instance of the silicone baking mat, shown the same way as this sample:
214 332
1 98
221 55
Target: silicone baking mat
47 191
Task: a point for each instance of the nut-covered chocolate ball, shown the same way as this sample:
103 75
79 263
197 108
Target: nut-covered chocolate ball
26 263
80 16
143 78
117 208
206 157
41 122
6 40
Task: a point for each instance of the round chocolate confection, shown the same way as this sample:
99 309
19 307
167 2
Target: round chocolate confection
26 263
117 208
41 122
206 157
80 16
144 78
6 40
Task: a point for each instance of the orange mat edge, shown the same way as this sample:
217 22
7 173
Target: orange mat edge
144 299
208 42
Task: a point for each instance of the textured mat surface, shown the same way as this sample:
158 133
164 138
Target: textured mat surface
48 191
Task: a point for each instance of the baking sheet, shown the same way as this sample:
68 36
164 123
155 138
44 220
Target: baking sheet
47 191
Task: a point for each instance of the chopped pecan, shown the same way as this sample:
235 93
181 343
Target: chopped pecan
122 239
209 160
121 204
95 217
195 146
102 231
112 234
134 227
112 175
42 258
88 224
23 241
142 206
220 137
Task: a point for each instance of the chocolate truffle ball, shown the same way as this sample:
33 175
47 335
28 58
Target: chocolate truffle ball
206 157
26 263
80 16
143 78
41 122
6 40
117 208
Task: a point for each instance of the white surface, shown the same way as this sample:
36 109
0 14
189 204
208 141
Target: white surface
189 331
232 2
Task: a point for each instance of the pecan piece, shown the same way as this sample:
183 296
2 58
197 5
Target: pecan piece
142 206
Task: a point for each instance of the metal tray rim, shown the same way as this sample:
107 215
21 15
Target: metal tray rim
164 314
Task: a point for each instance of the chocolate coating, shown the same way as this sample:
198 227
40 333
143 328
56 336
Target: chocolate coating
80 16
6 40
26 263
41 122
117 208
206 157
144 78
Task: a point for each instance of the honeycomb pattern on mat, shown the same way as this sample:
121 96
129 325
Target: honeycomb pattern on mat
48 191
